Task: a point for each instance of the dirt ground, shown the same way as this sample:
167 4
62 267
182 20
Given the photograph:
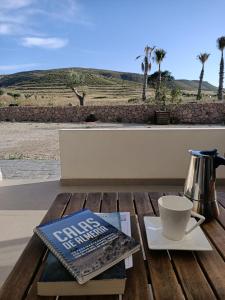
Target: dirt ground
35 140
30 140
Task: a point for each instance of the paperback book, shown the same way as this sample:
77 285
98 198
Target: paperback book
86 244
55 280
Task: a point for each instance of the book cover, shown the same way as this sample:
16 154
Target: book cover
86 244
55 279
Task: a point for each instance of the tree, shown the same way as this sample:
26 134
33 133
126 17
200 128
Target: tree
221 46
146 67
73 80
166 78
202 58
159 55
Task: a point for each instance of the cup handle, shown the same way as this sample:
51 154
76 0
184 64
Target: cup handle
201 220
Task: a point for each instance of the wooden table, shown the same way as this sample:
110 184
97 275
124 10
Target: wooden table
162 275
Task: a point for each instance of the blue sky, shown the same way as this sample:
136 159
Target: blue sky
104 34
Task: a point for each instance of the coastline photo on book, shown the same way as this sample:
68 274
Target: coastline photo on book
86 244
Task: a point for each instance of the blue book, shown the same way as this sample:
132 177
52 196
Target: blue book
86 244
55 280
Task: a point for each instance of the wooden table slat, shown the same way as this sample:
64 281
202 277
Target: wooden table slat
126 202
216 234
137 281
93 201
109 202
154 196
214 267
221 217
221 198
157 260
23 272
143 204
32 293
197 286
76 203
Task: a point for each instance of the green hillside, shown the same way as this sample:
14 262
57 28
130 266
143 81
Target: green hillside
101 86
57 77
192 85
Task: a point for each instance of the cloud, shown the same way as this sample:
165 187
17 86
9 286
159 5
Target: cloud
17 67
29 14
5 28
48 43
14 4
26 20
14 19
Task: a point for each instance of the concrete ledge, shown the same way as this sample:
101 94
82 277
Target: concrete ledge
139 154
128 182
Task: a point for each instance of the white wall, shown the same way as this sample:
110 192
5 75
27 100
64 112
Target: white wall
134 153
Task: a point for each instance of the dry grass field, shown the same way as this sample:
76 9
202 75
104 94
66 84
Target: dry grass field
97 95
94 96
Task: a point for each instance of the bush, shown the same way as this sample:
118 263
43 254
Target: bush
133 100
14 95
91 118
119 119
175 96
2 92
28 95
13 104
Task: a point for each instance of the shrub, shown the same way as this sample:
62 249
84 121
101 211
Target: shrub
28 95
133 100
91 118
14 95
13 104
119 119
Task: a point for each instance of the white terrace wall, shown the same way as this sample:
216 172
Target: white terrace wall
133 154
192 113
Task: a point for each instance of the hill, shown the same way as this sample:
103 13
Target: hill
101 86
57 77
192 85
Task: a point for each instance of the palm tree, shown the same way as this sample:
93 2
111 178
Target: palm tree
203 58
146 67
159 55
221 46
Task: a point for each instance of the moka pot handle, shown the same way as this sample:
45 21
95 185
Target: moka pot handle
219 160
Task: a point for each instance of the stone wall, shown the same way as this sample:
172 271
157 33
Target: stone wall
192 113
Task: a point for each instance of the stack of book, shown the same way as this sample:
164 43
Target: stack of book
89 254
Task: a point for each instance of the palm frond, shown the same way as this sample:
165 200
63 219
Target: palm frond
203 57
142 67
221 43
159 55
149 66
138 56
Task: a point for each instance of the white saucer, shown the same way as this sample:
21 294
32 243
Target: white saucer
196 240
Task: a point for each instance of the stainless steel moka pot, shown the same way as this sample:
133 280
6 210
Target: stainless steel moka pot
200 182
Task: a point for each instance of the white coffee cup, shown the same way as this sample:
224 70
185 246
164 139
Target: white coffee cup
175 212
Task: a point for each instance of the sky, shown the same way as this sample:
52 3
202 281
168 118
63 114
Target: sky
110 34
